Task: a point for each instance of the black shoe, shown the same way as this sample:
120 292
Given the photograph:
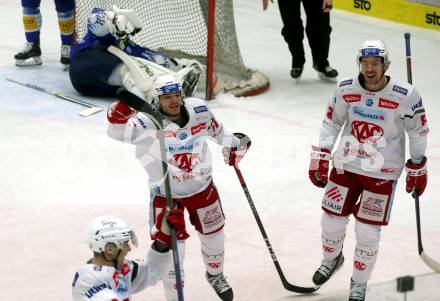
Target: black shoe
65 54
357 291
221 286
30 55
296 72
326 73
327 270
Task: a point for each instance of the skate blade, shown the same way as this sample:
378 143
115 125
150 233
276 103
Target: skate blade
33 61
326 78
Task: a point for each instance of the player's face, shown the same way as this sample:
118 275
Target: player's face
372 69
124 251
171 104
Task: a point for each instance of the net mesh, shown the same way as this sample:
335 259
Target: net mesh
179 29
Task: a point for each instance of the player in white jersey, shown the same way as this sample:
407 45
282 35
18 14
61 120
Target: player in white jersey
108 276
190 124
374 112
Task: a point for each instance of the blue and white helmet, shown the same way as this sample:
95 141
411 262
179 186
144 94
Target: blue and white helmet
376 48
166 84
108 229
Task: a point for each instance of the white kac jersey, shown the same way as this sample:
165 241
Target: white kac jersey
373 138
189 159
103 283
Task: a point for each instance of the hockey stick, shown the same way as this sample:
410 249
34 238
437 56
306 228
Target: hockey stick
139 104
288 286
434 265
92 109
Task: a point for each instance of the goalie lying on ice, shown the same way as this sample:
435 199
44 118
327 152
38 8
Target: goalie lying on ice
96 72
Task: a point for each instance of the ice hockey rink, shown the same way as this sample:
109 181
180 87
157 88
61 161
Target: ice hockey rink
58 170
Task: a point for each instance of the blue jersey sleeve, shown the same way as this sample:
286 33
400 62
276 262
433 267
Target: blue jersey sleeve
98 33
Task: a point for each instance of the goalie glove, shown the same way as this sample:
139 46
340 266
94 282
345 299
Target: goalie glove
123 22
416 177
233 155
161 231
318 169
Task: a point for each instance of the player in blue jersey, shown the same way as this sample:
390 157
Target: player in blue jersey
32 21
95 71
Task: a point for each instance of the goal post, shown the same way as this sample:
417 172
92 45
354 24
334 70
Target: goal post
194 29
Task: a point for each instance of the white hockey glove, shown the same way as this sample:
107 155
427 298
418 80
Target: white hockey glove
123 22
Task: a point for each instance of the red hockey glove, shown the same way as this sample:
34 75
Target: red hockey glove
161 231
234 155
417 176
119 113
318 169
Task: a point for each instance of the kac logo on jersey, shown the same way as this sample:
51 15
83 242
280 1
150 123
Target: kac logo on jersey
364 131
400 90
369 102
200 109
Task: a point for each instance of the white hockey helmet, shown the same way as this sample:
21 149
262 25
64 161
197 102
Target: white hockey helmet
108 229
376 48
166 84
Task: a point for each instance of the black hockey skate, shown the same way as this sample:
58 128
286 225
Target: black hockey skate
65 55
29 56
326 73
357 291
221 286
296 73
327 270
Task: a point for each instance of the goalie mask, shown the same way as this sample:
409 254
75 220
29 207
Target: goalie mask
375 48
107 229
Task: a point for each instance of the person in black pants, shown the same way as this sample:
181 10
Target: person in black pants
317 29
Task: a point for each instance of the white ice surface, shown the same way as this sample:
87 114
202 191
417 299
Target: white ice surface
58 170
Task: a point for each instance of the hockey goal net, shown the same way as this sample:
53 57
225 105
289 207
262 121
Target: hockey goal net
196 29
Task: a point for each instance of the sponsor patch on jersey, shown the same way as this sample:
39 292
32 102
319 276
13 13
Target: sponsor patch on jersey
182 135
200 109
97 268
348 98
369 102
96 289
197 128
373 206
388 104
211 217
400 90
345 82
419 104
372 114
142 123
334 197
